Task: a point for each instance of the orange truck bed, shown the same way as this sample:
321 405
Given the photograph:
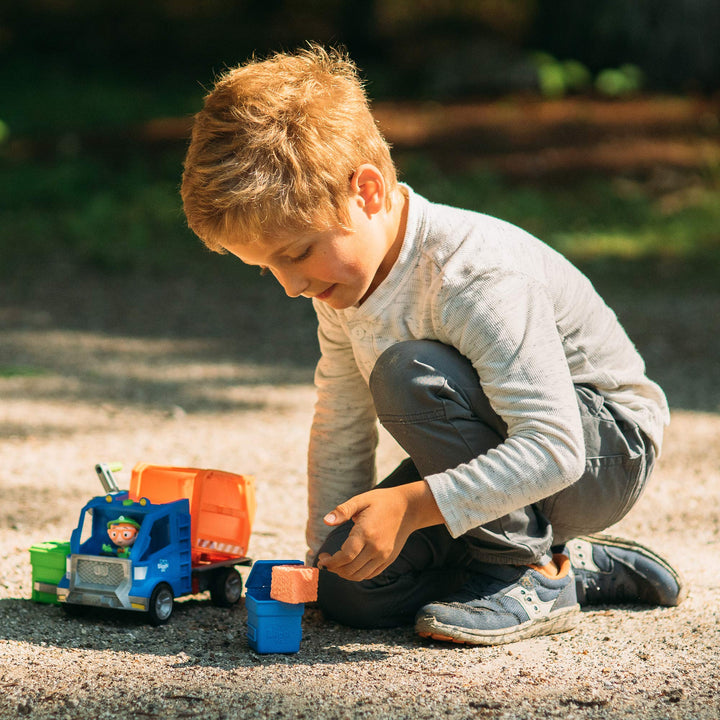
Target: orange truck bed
222 506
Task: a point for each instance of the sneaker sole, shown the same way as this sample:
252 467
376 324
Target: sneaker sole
610 541
557 622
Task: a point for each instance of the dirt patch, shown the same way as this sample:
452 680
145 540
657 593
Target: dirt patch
190 378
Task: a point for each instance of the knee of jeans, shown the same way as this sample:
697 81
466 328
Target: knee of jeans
347 602
409 370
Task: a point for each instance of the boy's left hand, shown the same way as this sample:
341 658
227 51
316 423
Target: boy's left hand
384 519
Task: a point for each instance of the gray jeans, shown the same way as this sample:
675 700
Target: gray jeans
428 397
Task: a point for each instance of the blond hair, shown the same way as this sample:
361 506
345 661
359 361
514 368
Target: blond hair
274 148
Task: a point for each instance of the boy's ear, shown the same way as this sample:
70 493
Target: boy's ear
368 185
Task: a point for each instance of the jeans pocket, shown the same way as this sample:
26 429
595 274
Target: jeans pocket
608 488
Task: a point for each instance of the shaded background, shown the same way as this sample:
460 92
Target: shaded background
436 49
593 125
97 99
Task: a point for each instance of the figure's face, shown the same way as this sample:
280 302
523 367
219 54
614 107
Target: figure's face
122 534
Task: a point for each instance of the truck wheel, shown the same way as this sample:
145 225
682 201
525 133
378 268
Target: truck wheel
226 587
161 604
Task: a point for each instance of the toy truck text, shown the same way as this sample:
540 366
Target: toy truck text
192 528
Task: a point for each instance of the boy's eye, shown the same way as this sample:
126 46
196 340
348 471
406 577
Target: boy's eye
305 254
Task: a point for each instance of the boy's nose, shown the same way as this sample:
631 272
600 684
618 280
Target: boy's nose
293 283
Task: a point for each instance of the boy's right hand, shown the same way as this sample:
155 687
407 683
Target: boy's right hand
384 519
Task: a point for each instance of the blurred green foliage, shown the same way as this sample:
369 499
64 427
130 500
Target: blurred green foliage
672 42
558 78
405 47
8 371
58 99
616 82
79 76
125 216
618 230
115 216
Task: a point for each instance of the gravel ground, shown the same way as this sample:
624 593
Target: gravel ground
121 370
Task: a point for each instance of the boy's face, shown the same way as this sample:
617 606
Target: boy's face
338 267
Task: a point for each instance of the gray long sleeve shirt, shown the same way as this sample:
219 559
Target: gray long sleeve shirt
531 324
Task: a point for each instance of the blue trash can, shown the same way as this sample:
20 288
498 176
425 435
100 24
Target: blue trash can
272 626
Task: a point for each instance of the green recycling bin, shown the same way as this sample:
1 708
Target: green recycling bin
48 566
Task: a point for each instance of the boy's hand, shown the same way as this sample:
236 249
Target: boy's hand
384 519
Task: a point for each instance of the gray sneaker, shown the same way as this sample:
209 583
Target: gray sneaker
503 604
612 571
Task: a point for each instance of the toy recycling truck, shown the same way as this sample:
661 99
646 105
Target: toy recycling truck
177 531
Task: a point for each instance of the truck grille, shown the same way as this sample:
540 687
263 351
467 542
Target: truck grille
99 572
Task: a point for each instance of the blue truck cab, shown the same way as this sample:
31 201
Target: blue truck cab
156 569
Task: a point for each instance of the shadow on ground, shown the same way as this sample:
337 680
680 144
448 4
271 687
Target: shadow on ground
193 344
173 344
224 641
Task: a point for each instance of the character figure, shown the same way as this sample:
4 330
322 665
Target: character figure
123 532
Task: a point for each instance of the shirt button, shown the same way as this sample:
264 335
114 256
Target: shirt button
359 333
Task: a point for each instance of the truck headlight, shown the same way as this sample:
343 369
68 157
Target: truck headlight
140 573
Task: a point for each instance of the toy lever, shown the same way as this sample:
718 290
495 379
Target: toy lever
104 472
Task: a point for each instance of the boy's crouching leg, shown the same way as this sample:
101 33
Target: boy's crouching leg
354 604
384 601
610 570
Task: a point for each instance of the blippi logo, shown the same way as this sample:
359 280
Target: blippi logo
163 565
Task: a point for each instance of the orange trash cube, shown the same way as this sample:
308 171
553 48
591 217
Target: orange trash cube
294 583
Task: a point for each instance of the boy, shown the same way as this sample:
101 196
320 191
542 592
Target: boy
524 408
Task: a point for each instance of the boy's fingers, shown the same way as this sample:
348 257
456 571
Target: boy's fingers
342 513
355 561
350 551
347 558
323 558
358 568
332 518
